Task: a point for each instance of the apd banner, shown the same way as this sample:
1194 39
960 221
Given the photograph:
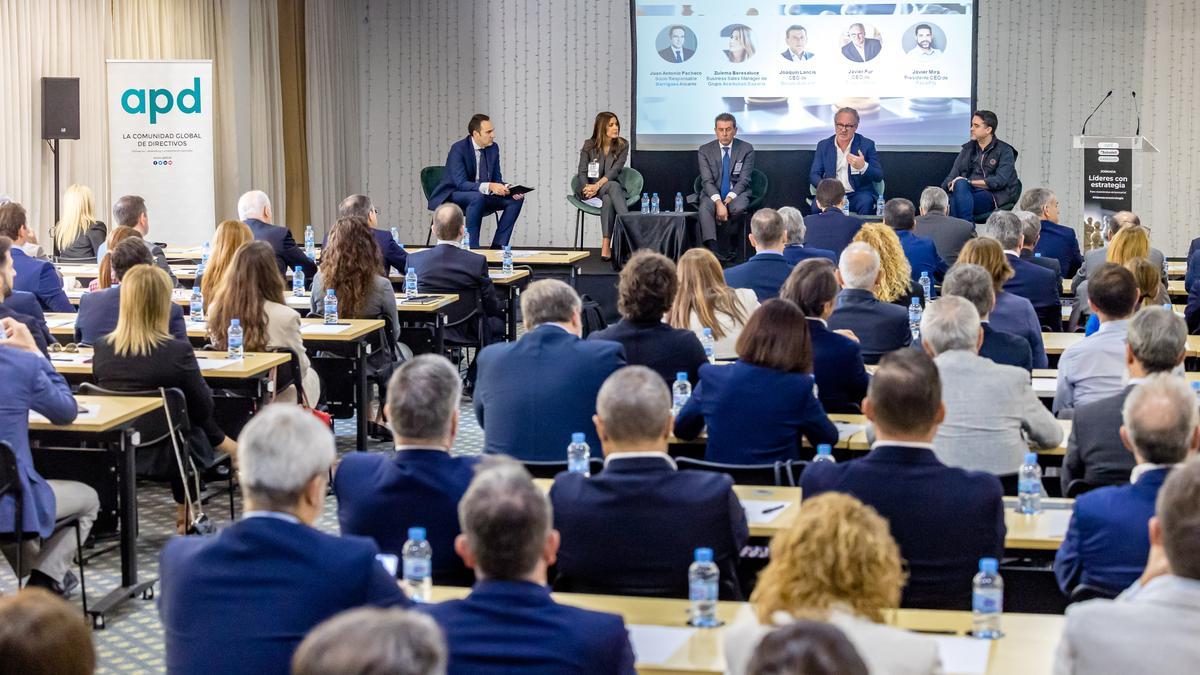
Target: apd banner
160 144
1107 188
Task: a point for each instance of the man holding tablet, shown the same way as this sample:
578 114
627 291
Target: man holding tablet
472 180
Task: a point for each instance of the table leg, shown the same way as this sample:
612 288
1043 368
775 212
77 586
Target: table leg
439 332
364 402
510 318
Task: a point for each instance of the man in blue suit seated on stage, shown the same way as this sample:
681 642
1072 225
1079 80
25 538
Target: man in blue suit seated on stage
795 250
767 269
32 275
901 216
973 283
828 227
472 180
242 600
98 310
509 623
944 519
254 209
532 394
1107 541
633 528
1056 241
849 158
394 255
880 327
381 496
1035 283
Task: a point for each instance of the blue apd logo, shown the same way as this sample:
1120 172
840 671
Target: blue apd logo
161 101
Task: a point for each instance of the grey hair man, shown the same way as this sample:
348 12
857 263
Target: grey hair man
767 269
1058 241
797 231
1005 227
793 222
508 539
130 211
370 640
360 206
991 409
254 209
1031 232
449 223
975 284
881 327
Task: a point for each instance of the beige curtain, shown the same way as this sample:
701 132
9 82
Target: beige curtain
267 171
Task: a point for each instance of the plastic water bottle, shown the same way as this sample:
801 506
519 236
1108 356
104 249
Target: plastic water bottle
845 207
331 312
506 260
825 454
197 314
703 576
410 284
678 202
926 286
465 244
204 254
987 601
645 202
709 344
579 455
1166 269
1196 389
298 281
1029 486
235 339
417 566
681 391
396 235
879 206
654 203
914 318
310 246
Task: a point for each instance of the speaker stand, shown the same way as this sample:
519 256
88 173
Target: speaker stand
53 143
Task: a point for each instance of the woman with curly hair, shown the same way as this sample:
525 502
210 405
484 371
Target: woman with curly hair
837 563
1012 313
895 272
704 300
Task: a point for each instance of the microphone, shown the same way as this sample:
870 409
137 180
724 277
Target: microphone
1137 111
1083 132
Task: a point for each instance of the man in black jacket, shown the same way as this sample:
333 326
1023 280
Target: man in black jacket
984 175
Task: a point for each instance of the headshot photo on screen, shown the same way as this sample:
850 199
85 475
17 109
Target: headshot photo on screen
924 41
861 43
740 47
676 43
796 39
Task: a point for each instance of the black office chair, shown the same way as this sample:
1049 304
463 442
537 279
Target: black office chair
777 473
10 486
1080 486
550 469
1084 592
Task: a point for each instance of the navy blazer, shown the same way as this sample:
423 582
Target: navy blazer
446 268
532 394
381 497
1192 311
871 48
1033 282
633 528
764 273
838 368
944 519
98 312
510 627
831 229
881 327
746 425
922 256
1005 348
794 253
459 175
824 163
1107 541
268 582
288 256
656 345
24 307
1015 315
40 278
394 255
1061 243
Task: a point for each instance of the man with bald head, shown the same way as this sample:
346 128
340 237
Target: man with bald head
881 327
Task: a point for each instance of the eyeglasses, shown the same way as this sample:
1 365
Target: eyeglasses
70 348
845 126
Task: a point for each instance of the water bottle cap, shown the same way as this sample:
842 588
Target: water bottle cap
235 322
508 248
1031 458
924 275
299 270
328 291
416 533
989 565
1037 255
577 437
916 300
707 332
1196 386
681 377
824 449
704 555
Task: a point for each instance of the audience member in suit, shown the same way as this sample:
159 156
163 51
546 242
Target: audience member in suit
992 414
19 305
32 275
78 235
229 237
1010 313
509 623
1093 368
803 644
1151 627
948 234
381 497
472 180
1106 543
141 354
1157 343
881 327
744 426
130 211
254 209
394 255
371 640
44 635
922 255
767 269
1031 233
861 48
1098 256
984 175
601 160
536 422
828 227
838 369
270 577
837 563
645 293
633 528
726 165
704 302
961 517
1033 282
98 311
30 383
849 158
1057 241
973 282
795 250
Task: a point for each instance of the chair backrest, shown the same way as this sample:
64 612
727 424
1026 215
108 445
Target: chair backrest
576 184
631 179
758 188
550 469
1084 592
153 428
1079 486
430 177
778 473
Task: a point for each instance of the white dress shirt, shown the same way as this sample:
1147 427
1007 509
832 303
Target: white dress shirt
483 187
726 148
843 166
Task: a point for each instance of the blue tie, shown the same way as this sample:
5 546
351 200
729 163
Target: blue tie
678 56
724 172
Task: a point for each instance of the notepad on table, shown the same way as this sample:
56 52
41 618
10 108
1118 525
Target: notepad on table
657 644
323 328
74 359
965 655
759 512
89 411
60 323
525 254
846 430
208 363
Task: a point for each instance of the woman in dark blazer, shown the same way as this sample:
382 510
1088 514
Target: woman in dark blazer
78 235
600 161
758 408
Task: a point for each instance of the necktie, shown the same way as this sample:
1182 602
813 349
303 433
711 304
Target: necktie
478 156
724 172
678 56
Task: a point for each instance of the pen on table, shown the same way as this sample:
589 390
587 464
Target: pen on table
774 508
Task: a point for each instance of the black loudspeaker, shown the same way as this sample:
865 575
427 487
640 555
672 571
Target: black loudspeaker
60 107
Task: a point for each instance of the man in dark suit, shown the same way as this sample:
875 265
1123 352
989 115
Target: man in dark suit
535 422
881 327
900 215
420 485
20 305
860 48
796 37
1156 343
944 519
767 269
394 255
632 529
676 52
509 623
1107 541
795 250
851 159
473 181
725 168
828 227
949 235
975 284
1031 233
270 577
1033 282
130 211
254 208
1056 241
32 275
98 311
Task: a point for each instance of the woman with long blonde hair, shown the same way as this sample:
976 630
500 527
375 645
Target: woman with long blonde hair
704 300
1148 276
1129 243
229 237
105 276
1011 313
837 563
896 273
78 235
